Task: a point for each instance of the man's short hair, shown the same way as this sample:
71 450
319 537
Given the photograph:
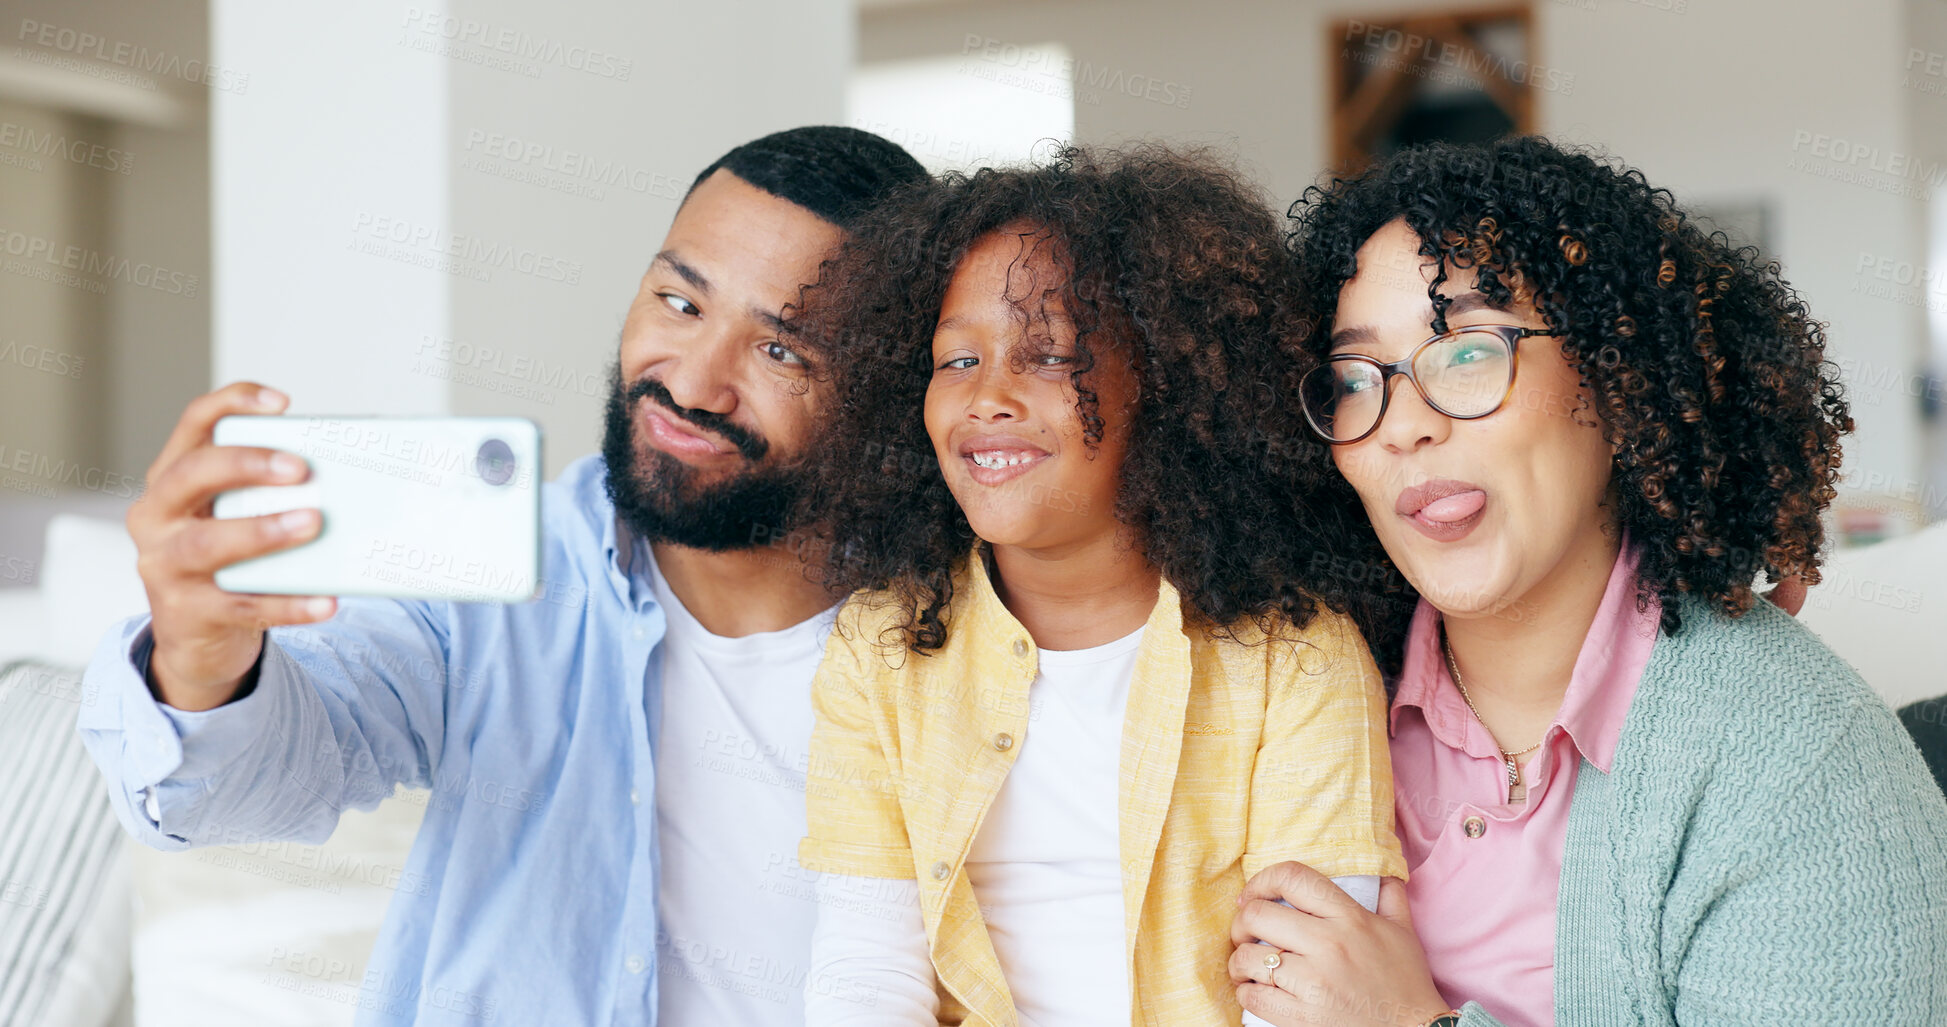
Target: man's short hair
834 172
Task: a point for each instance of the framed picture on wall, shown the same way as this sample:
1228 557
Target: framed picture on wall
1447 75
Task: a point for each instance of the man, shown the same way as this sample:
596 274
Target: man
669 659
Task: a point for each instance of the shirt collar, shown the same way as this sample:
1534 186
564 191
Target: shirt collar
1608 667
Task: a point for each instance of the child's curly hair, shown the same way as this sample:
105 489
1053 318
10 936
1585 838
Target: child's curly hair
1704 368
1171 259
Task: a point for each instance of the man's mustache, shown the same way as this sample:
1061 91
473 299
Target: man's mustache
752 446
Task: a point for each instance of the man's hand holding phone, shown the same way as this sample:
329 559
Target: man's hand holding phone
207 640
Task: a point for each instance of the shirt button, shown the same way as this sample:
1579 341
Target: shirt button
1003 741
1474 826
639 632
1020 647
940 870
635 797
635 964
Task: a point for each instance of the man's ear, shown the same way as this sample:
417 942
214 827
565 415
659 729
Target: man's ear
1789 594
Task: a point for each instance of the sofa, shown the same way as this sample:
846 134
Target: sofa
256 935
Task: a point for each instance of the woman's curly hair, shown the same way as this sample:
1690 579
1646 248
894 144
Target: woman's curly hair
1704 368
1172 262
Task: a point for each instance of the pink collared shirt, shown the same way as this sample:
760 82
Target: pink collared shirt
1485 875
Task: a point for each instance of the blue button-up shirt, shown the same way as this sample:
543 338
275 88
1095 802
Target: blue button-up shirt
530 896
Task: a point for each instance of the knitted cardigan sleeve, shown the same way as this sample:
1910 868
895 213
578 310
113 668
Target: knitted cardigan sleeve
1837 910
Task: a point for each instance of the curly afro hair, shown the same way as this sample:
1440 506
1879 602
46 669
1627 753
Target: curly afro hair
1171 262
1703 367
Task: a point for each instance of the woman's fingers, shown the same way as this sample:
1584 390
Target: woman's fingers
1256 961
1267 921
1282 903
1274 1006
1393 904
1301 887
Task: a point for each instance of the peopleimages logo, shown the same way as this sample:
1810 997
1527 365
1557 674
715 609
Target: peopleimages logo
454 253
1839 159
571 164
518 43
41 358
96 264
1840 150
56 146
1401 50
64 472
1033 61
137 58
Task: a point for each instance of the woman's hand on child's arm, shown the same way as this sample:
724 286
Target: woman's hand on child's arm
1364 888
1334 961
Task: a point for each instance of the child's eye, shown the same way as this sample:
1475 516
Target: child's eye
1054 359
959 364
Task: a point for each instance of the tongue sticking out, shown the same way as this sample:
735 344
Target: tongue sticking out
1457 507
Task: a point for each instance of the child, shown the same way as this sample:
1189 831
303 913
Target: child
1095 682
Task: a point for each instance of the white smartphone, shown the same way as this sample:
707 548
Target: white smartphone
441 508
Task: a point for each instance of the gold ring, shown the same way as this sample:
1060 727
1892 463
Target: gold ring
1274 960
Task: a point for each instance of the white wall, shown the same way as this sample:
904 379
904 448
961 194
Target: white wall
386 136
1748 100
701 78
1707 102
336 138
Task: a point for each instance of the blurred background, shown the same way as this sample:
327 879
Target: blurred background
443 206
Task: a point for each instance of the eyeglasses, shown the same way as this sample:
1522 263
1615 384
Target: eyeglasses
1465 374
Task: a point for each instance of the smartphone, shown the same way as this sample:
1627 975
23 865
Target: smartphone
438 508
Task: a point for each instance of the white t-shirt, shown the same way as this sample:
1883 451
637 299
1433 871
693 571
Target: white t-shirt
736 911
1046 865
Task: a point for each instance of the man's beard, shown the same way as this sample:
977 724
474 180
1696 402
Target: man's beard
657 495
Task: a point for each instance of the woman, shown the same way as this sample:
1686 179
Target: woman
1629 792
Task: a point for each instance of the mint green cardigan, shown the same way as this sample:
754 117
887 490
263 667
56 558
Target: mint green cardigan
1768 847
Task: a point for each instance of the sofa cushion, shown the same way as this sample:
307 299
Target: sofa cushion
64 875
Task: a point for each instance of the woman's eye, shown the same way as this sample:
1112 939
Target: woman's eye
782 354
1053 359
679 304
959 364
1472 354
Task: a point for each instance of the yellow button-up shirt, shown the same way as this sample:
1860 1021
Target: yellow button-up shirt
1236 754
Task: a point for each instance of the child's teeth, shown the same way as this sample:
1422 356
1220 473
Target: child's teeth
996 461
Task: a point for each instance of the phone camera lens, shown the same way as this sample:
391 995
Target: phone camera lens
495 462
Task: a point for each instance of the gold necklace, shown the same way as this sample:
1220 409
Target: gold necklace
1517 792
